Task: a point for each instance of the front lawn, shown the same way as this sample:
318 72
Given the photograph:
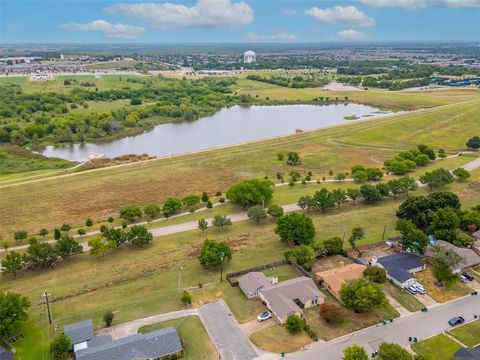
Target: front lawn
196 342
277 339
405 299
439 347
441 294
468 334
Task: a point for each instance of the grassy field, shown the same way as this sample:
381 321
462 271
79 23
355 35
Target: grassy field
468 334
439 347
197 344
152 181
13 79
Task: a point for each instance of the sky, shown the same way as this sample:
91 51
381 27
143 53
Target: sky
228 21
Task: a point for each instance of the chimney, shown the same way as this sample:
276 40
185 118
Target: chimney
373 262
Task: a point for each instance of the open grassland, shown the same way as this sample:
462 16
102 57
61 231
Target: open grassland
439 347
197 343
468 334
102 192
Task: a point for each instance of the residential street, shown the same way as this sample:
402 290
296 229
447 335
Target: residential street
420 325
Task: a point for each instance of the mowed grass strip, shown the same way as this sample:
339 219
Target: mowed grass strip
101 193
468 334
197 343
439 347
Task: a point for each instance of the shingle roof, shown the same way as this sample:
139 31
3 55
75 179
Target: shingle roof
151 345
5 355
280 296
468 354
476 234
79 332
399 265
336 277
469 257
253 281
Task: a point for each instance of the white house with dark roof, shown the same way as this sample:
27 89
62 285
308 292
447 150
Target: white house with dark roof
400 267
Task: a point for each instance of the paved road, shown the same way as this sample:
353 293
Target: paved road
472 165
420 325
225 333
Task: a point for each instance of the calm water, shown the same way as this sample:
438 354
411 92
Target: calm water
228 126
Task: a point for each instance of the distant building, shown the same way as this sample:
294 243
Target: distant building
249 57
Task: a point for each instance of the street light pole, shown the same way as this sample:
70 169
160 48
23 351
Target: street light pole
221 267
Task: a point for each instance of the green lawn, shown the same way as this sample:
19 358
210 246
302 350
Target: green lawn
439 347
13 79
468 334
197 343
405 299
277 339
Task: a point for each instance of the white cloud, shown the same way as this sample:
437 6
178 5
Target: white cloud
288 11
277 35
205 13
420 4
461 3
341 14
404 4
112 31
350 35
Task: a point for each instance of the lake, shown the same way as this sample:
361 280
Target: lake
228 126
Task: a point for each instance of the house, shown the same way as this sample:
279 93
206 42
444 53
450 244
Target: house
333 279
400 267
290 297
469 257
153 345
79 333
5 355
476 235
476 245
253 281
158 344
467 354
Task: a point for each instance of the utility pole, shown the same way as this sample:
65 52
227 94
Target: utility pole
221 267
47 301
384 229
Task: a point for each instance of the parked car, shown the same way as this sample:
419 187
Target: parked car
411 290
457 320
467 276
264 316
420 289
463 278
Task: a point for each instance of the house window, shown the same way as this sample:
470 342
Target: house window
315 301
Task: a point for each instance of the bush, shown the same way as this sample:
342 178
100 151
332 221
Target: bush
60 347
313 335
294 324
362 296
331 313
108 318
375 274
295 227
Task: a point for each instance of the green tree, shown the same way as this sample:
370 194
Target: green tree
444 260
108 318
306 203
186 298
89 222
302 255
339 196
251 192
463 240
192 200
441 153
130 213
362 296
357 234
20 235
43 232
355 352
205 197
295 228
100 246
81 232
65 228
67 246
444 223
359 176
437 179
461 174
202 225
152 211
214 253
412 239
209 204
275 211
375 274
13 310
57 234
220 221
340 177
324 199
257 213
388 351
333 246
474 143
40 255
422 160
353 194
424 149
60 347
171 206
370 193
374 174
12 263
138 235
294 324
293 159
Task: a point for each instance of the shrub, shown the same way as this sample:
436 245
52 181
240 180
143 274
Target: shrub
60 347
294 324
375 274
108 318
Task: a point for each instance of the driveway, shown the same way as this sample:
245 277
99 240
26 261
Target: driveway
225 332
426 300
253 326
